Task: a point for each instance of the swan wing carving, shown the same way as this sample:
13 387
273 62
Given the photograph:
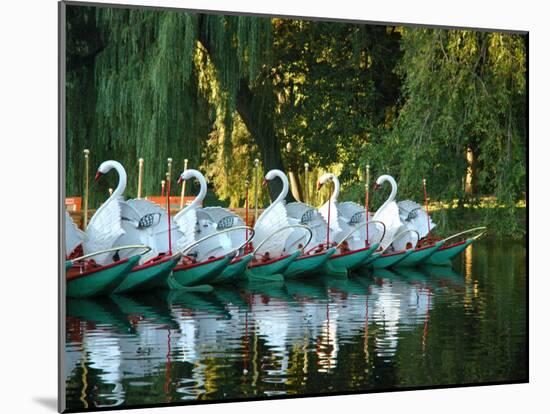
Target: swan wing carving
389 215
73 235
415 217
302 213
146 223
355 213
104 230
222 219
271 220
186 221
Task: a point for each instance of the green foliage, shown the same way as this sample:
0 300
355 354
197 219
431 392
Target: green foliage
462 90
410 102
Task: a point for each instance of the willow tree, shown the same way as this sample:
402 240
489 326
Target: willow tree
138 86
462 124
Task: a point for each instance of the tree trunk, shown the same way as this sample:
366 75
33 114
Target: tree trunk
295 186
256 111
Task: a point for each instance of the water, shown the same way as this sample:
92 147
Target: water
386 330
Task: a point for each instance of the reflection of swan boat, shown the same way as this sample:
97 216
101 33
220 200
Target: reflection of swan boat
205 302
272 289
443 272
349 286
101 311
414 275
230 295
149 307
310 289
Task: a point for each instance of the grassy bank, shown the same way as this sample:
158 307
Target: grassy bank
501 222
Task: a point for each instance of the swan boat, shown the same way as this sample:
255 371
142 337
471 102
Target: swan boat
346 226
278 241
314 253
404 229
86 277
117 224
210 239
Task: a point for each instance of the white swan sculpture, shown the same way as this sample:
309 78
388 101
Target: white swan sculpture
304 214
272 222
388 213
195 223
122 223
73 235
105 228
415 217
146 223
347 219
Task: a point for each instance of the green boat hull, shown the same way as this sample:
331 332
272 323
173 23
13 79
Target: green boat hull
307 265
199 273
233 270
272 271
100 282
339 265
388 260
147 277
418 256
444 255
372 258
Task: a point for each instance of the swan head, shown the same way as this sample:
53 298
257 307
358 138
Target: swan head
324 178
105 167
188 174
385 178
271 175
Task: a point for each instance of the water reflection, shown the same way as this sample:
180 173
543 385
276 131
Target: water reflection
378 330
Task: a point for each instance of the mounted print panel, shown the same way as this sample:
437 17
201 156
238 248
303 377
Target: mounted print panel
258 207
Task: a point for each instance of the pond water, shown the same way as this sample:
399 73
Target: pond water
379 330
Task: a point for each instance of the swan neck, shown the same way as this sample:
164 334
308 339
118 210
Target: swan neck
336 191
122 179
121 186
282 195
393 192
199 198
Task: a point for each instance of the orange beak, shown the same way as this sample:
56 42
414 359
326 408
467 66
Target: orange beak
180 180
376 186
319 185
98 175
264 182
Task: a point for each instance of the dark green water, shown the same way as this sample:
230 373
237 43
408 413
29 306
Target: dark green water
386 330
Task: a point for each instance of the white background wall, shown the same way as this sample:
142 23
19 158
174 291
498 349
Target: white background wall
28 178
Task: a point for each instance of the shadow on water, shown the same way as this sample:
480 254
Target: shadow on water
380 329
